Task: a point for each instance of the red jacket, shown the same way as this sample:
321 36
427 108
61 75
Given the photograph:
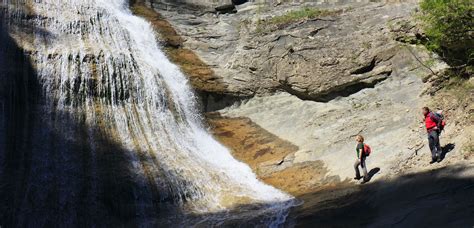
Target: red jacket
431 121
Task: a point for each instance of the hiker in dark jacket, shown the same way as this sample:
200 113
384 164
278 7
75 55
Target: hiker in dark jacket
432 123
361 156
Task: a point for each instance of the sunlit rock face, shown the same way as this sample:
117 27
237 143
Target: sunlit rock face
99 128
314 82
340 52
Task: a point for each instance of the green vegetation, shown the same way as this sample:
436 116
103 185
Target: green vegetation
366 45
462 89
449 27
430 63
457 95
298 15
303 14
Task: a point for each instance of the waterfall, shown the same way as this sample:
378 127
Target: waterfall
109 112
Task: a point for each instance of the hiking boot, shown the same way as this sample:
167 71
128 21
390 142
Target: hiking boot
432 161
357 178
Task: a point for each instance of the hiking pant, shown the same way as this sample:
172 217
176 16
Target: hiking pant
362 165
435 147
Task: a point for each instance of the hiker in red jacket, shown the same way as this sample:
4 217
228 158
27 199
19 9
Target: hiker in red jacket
433 122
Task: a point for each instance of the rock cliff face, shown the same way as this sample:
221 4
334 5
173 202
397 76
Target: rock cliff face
316 82
313 84
336 54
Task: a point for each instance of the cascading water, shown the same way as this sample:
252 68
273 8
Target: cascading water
112 124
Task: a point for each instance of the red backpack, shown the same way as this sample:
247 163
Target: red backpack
367 150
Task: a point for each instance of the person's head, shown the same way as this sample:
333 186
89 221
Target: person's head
425 111
359 138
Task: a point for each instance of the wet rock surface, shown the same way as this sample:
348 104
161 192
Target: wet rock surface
201 76
269 156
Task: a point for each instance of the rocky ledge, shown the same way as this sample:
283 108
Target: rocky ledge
336 51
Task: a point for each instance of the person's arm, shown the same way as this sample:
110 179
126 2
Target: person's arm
360 151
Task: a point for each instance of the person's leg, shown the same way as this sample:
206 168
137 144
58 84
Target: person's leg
431 143
436 144
364 169
356 168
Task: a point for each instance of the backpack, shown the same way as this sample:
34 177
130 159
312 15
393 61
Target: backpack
367 150
441 123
